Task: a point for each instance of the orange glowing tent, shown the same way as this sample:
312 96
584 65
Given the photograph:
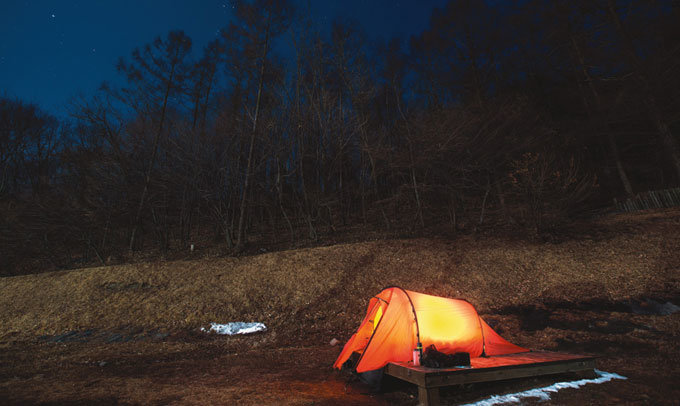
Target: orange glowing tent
397 319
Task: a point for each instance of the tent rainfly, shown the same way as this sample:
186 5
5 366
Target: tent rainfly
397 319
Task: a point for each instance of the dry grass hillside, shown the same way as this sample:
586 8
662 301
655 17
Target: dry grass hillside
306 297
617 258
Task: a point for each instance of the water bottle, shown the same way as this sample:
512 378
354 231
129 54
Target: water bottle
417 354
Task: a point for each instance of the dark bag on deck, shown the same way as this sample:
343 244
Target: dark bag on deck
435 359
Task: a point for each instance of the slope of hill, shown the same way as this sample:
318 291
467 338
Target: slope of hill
618 258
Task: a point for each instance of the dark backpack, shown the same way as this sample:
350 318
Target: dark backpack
432 358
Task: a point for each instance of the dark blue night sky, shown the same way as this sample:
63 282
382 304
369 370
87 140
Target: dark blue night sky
51 51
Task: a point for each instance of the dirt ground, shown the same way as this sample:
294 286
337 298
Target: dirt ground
188 367
129 335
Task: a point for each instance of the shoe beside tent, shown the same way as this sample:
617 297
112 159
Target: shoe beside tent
397 319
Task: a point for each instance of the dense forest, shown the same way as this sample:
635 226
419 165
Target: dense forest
519 115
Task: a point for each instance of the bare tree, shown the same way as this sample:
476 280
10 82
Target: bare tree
157 70
250 42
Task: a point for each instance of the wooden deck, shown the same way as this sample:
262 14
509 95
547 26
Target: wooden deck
497 368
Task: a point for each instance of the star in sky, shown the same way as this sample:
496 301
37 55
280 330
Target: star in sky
62 43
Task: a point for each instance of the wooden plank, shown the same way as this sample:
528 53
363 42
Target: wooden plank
428 396
496 368
500 361
406 373
512 372
524 358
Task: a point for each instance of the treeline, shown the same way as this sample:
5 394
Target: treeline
520 115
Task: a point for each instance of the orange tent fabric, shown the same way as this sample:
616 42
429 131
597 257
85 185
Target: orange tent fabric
389 331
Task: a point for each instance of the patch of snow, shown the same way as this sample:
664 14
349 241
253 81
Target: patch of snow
544 393
667 308
670 308
652 307
234 328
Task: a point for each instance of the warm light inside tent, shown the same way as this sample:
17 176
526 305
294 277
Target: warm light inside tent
451 325
389 331
378 316
371 321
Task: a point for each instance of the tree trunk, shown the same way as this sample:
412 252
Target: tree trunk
614 149
486 195
239 235
419 212
156 141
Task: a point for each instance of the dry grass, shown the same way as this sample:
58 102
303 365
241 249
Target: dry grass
325 289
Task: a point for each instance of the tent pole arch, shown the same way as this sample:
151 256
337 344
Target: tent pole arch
415 316
481 329
413 308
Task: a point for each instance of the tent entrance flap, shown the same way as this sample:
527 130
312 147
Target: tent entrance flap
377 317
358 342
370 322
